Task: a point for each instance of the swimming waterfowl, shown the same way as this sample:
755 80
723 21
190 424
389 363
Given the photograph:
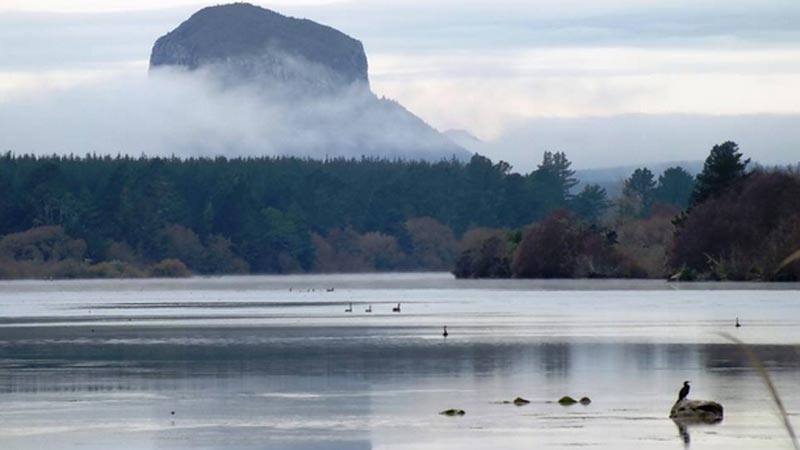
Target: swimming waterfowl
369 309
397 309
349 308
737 323
445 334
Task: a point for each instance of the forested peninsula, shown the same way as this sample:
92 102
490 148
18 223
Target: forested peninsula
121 216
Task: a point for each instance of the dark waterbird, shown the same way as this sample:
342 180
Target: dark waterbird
737 323
349 308
445 334
684 391
397 309
369 309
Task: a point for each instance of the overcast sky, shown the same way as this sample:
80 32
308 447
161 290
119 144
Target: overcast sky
500 69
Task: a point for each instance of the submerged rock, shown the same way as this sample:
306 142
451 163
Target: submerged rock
519 401
567 400
696 411
453 412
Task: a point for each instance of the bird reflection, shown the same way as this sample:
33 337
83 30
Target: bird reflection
683 430
684 424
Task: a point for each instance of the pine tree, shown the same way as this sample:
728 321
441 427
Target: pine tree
639 190
722 168
675 187
591 203
552 182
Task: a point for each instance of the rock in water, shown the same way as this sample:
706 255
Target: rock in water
253 43
519 401
567 400
696 411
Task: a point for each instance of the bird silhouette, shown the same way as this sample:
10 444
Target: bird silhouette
349 308
397 309
445 334
737 323
369 309
684 391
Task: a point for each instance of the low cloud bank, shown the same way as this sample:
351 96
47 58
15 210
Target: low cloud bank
642 139
192 114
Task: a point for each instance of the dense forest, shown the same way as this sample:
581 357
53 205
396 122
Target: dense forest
104 216
66 216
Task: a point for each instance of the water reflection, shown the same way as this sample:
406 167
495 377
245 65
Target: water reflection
380 382
683 431
261 382
230 352
684 426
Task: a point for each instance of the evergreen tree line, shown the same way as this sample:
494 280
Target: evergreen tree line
104 216
263 215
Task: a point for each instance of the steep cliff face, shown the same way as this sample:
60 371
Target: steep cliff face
311 80
246 43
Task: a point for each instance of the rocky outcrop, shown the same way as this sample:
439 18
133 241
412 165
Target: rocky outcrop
696 411
312 79
243 42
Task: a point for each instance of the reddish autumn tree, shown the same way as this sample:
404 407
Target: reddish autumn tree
745 231
433 245
564 246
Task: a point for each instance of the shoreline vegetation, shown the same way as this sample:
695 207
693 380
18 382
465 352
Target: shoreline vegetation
122 217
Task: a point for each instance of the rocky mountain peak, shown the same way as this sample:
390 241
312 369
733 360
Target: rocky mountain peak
246 42
310 77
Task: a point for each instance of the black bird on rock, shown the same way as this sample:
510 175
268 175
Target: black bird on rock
684 391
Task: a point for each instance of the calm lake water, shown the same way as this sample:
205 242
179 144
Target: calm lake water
277 363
